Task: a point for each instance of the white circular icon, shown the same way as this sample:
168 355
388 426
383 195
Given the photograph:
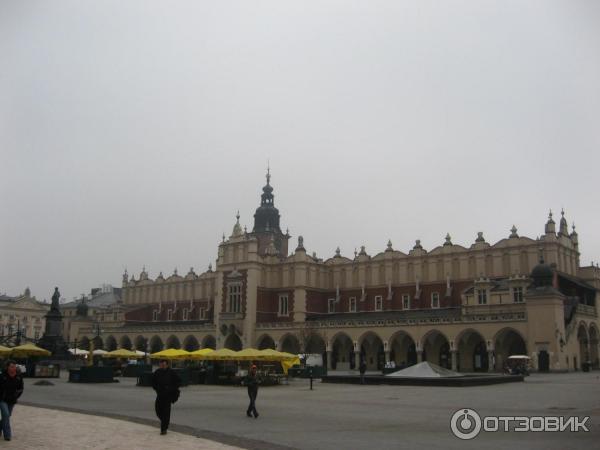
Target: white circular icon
465 424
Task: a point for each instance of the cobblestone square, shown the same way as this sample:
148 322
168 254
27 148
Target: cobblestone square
329 417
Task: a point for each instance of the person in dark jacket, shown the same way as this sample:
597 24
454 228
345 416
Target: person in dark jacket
11 388
252 380
166 384
362 368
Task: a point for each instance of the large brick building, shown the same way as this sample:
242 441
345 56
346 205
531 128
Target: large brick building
466 308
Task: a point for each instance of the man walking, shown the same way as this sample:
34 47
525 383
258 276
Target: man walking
166 384
362 368
11 388
252 381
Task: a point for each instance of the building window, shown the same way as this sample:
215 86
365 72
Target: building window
202 313
114 316
352 304
36 335
185 314
283 305
435 300
518 294
378 303
406 301
155 315
169 314
234 294
482 296
331 305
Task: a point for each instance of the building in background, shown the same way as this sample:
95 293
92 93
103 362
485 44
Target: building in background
463 307
102 306
21 318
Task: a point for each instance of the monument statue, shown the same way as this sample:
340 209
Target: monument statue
55 299
52 340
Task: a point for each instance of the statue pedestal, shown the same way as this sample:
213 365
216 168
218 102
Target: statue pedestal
52 339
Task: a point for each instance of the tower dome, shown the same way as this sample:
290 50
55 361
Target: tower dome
542 274
266 217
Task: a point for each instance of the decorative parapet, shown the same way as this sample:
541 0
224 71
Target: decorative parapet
520 316
232 315
586 310
141 327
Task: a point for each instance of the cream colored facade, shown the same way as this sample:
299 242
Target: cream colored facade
464 307
24 312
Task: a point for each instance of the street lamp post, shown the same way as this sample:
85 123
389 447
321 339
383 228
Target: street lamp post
18 335
97 331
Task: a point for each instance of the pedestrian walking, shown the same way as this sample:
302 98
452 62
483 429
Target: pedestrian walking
166 383
252 380
362 368
11 388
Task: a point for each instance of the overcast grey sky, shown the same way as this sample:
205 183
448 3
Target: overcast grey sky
131 132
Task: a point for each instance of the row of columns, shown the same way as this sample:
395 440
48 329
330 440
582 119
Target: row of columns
453 359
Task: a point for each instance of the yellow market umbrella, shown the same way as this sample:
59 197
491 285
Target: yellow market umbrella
269 354
122 353
287 360
4 350
223 354
29 350
171 353
200 354
249 354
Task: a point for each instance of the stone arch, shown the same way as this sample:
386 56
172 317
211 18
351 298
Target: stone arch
84 344
190 343
209 341
265 342
342 352
508 342
140 343
156 344
233 342
125 342
435 348
289 343
472 351
371 350
403 349
111 343
173 342
583 340
594 342
314 344
98 343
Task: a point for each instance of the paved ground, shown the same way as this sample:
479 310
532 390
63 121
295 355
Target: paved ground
37 428
347 416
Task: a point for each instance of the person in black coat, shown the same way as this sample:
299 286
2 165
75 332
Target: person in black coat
362 368
252 380
11 388
166 383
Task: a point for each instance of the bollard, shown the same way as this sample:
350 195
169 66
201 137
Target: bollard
311 379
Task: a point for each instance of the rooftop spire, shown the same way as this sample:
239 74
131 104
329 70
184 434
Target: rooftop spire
564 226
268 173
550 227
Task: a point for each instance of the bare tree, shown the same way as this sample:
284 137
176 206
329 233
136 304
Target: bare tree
308 335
